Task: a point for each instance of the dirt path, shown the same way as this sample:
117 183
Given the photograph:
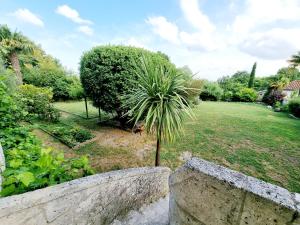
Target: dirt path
141 144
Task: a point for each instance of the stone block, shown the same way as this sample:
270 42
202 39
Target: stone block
204 193
97 199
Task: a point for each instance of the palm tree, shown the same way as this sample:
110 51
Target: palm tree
295 60
11 44
159 100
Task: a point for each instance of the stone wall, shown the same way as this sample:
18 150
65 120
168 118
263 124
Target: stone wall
97 199
206 194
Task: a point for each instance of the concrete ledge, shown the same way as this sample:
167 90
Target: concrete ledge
97 199
204 193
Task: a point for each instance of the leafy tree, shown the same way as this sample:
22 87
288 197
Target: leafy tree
261 83
252 76
11 45
48 72
290 73
107 73
159 99
211 91
232 84
295 60
194 86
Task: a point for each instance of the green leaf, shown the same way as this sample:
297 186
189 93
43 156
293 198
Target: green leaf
26 178
15 163
8 190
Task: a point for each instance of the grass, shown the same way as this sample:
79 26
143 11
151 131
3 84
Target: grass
245 137
77 108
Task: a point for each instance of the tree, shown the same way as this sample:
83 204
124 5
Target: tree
159 99
295 60
12 44
107 72
194 86
290 73
252 76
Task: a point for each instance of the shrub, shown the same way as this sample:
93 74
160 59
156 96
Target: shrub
10 112
69 135
28 165
227 96
246 95
211 92
75 89
272 96
294 106
108 72
38 102
51 76
81 135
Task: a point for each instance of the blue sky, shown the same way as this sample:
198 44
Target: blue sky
212 37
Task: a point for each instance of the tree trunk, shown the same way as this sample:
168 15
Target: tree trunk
157 155
14 60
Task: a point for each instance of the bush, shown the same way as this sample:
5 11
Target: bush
294 106
81 135
69 135
211 92
51 76
38 102
75 89
227 96
272 96
246 95
10 112
28 165
108 72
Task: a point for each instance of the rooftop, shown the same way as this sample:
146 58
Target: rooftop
294 85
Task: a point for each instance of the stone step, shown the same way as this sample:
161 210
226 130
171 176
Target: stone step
157 213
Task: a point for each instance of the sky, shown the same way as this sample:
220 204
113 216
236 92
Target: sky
213 37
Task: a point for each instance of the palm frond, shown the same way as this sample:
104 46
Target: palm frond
158 99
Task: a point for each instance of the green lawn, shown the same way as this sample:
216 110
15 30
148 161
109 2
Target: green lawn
246 137
77 108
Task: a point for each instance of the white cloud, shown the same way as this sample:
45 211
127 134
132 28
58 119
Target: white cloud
202 39
71 14
268 29
164 28
135 42
276 43
258 13
196 17
86 30
26 16
198 41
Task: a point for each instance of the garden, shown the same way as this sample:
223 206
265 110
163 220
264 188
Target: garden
130 107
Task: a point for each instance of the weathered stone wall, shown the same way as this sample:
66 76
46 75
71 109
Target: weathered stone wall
206 194
97 199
